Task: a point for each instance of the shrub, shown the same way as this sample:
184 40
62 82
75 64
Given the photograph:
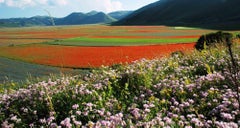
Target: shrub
238 36
212 39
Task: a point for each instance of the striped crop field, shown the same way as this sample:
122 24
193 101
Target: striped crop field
90 46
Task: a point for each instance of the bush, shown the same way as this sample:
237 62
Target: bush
212 39
238 36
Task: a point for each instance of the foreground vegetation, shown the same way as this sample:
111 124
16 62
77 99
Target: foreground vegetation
198 90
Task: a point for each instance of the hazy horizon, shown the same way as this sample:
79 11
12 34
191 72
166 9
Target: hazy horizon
61 8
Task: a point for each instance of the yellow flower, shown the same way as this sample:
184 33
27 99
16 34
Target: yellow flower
163 101
119 106
152 98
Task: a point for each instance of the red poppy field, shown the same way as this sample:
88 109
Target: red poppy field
29 44
87 57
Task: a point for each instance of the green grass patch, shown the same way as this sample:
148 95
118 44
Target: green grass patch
18 71
85 41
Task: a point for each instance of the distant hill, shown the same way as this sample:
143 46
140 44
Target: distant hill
76 18
19 22
214 14
119 14
88 18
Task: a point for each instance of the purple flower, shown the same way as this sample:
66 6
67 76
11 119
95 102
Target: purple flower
66 122
77 123
78 113
167 120
50 119
53 125
226 116
14 118
147 110
43 121
75 106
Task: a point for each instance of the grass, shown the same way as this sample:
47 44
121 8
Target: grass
17 71
84 41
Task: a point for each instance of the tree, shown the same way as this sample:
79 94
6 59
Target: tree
212 39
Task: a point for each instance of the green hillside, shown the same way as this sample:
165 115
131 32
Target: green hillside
119 14
81 18
214 14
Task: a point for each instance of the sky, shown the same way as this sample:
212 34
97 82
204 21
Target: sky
62 8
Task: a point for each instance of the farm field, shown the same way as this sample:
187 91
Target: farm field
91 46
190 90
17 71
96 33
68 46
88 57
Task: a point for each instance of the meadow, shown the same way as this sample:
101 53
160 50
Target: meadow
12 71
88 57
194 90
92 45
127 85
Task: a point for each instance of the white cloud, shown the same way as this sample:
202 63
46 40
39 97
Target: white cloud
98 5
19 3
60 8
61 2
44 2
56 2
32 3
81 5
109 5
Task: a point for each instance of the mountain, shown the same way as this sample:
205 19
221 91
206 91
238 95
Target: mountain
214 14
19 22
72 19
88 18
91 13
119 14
76 18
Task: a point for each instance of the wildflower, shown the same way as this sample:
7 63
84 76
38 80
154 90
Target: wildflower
50 119
53 125
14 118
197 122
167 120
135 113
75 106
145 106
43 121
226 116
77 123
105 123
78 113
226 125
66 122
147 110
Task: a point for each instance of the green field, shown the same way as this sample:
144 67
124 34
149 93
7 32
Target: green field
13 70
84 41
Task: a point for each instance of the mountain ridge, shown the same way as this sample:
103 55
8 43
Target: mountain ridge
214 14
75 18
